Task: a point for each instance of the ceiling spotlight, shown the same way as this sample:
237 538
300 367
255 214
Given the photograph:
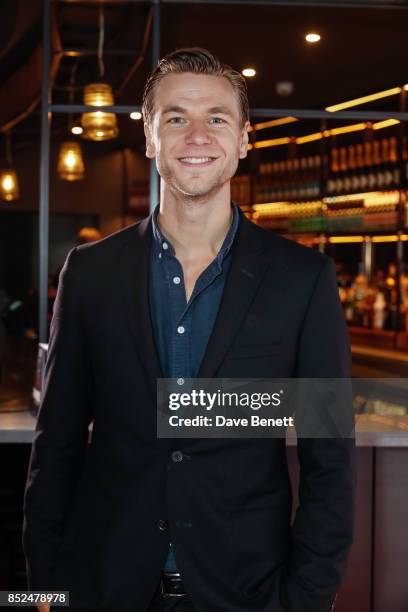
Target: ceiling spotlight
312 37
284 88
77 129
249 72
135 115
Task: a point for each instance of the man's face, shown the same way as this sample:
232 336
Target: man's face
196 134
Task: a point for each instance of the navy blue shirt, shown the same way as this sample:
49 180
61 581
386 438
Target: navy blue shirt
181 330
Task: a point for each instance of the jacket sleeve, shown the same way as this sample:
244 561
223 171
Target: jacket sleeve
323 525
61 433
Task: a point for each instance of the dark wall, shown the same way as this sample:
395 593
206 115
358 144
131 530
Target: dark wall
19 246
16 248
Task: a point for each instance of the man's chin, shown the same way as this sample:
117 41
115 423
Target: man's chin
196 191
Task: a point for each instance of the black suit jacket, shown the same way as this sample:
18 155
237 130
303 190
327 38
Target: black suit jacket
99 517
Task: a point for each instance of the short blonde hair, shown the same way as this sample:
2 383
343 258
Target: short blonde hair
197 61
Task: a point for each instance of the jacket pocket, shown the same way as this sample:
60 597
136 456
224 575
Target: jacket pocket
247 351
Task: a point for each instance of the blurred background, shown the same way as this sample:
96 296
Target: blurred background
327 167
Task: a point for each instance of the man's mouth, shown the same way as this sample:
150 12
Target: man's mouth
196 161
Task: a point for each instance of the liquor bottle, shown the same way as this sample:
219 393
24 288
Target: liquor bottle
303 176
393 150
361 176
394 162
334 165
368 160
310 177
270 180
349 305
285 180
376 153
352 160
280 180
334 169
369 300
360 287
392 297
379 308
384 175
404 298
342 181
315 187
297 179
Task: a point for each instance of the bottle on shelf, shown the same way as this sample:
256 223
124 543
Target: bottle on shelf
371 179
334 169
404 298
392 297
394 162
379 308
362 182
375 304
360 286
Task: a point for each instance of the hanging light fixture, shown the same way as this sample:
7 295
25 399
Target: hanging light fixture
9 188
70 163
99 125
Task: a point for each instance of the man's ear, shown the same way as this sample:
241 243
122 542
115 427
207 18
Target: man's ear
150 148
243 147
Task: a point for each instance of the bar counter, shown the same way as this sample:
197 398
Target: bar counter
371 430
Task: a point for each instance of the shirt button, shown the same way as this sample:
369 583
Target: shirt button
162 525
160 255
165 246
180 381
176 280
177 456
181 329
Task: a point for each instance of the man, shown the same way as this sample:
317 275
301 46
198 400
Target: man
132 523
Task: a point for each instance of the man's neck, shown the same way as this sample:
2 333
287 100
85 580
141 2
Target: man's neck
196 229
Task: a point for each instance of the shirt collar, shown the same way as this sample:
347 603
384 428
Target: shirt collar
163 247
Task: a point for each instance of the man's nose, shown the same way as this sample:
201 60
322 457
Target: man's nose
198 134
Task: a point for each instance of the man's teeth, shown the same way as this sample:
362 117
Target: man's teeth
196 160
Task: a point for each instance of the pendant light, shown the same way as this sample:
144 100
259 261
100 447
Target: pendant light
99 125
9 188
70 161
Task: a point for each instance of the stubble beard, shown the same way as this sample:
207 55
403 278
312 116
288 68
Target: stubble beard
195 190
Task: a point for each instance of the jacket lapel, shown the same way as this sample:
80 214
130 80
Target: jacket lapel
134 271
245 274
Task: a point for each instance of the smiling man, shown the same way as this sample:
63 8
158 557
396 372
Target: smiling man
133 523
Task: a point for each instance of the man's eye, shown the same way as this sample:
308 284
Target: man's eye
217 120
176 120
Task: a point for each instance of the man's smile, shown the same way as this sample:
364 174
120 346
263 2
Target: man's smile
197 162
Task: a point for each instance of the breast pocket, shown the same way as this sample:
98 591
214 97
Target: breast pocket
248 351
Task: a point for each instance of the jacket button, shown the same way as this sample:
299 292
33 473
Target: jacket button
162 524
177 456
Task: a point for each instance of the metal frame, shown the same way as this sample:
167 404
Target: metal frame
372 4
47 108
44 174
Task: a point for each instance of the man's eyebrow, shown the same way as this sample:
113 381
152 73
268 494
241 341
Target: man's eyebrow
173 109
220 110
214 110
